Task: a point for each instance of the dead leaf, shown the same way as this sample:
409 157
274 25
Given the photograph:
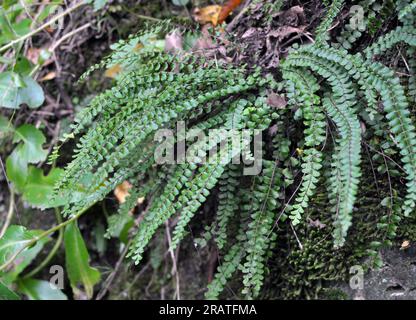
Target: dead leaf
249 33
122 191
173 42
227 9
49 76
276 101
208 14
33 55
137 47
113 71
316 223
405 245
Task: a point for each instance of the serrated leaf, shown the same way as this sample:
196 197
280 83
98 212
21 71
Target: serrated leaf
40 290
77 262
16 90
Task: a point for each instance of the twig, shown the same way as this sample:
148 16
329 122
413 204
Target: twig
52 252
68 35
113 274
46 233
9 214
47 24
174 266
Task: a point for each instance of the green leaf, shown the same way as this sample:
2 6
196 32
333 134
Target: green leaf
40 290
77 262
5 126
32 139
39 188
7 294
16 90
16 169
28 151
15 238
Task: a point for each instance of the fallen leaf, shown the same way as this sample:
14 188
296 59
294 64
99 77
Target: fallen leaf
227 9
113 71
173 42
208 14
49 76
122 191
316 223
33 55
276 101
405 244
248 33
140 200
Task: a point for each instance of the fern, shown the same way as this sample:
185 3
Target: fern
333 10
329 89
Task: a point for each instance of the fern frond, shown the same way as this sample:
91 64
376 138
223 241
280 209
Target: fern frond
304 93
344 181
322 30
259 230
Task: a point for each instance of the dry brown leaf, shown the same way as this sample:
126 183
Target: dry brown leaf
122 191
227 9
49 76
276 101
405 244
316 223
138 46
208 14
33 55
113 71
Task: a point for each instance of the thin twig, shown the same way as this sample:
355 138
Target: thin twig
113 274
9 214
172 255
68 35
43 26
53 251
29 243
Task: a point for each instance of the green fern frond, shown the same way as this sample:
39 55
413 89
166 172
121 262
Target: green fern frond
263 216
322 30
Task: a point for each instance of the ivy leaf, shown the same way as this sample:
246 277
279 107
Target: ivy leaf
15 238
29 150
33 139
5 126
77 262
39 188
7 294
40 290
16 90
